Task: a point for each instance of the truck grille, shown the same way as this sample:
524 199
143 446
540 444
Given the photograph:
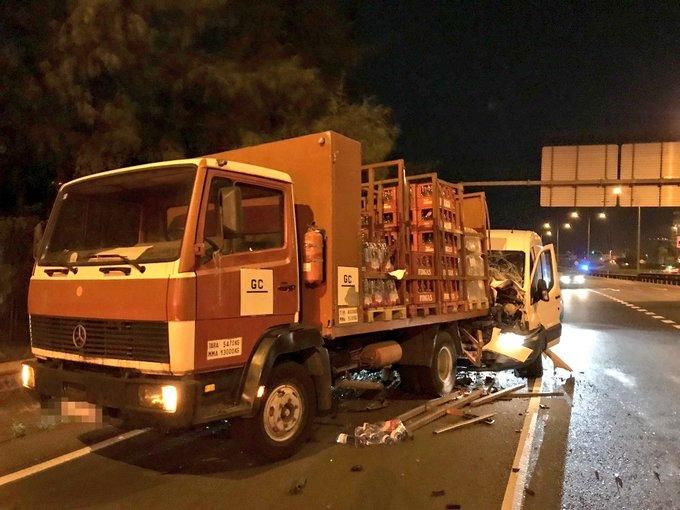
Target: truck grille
128 340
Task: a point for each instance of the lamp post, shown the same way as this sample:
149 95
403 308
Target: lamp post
565 226
601 216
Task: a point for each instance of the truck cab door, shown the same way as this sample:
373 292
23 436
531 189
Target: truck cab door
247 273
545 295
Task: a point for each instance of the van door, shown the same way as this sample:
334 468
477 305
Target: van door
248 281
546 313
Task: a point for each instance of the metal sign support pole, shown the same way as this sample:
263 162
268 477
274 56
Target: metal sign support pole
588 241
638 239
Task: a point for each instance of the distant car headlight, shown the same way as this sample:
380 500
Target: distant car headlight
565 278
580 279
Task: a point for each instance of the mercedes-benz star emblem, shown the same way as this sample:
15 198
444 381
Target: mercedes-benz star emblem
79 336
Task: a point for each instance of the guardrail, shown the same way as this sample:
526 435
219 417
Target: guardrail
661 278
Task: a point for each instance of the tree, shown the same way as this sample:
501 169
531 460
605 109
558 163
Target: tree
133 81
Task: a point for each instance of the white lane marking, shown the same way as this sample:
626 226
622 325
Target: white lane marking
635 307
514 491
23 473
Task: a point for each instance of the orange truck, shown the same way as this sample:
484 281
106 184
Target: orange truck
244 284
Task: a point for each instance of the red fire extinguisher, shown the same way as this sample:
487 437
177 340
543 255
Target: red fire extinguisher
313 262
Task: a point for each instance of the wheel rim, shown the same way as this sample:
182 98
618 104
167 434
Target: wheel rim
444 364
283 412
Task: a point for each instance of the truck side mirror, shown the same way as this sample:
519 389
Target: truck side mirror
542 290
231 213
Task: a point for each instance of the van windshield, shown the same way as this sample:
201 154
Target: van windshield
507 265
139 215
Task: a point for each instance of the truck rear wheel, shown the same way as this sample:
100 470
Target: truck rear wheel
440 377
284 419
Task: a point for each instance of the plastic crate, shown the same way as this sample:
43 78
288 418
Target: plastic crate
423 264
450 291
423 292
449 265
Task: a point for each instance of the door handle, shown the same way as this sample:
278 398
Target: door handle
288 287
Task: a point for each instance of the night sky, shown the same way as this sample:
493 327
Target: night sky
478 88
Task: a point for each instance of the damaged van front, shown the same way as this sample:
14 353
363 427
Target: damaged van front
527 302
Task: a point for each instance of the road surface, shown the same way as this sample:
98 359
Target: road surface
612 440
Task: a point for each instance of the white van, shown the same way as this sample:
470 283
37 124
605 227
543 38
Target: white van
528 303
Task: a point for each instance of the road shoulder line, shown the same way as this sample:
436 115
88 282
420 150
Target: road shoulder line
37 468
514 491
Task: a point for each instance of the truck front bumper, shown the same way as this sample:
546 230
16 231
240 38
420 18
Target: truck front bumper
119 396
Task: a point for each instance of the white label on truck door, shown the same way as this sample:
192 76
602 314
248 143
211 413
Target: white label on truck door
346 315
257 292
348 286
224 348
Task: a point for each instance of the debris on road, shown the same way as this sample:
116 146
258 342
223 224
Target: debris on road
356 468
658 476
529 491
544 406
531 394
463 423
618 481
18 429
597 474
438 493
403 426
453 506
297 486
494 396
557 361
386 432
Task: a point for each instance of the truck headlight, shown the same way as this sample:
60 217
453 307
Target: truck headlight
566 279
579 279
158 396
27 377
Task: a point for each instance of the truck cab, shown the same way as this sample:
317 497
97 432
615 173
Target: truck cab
528 299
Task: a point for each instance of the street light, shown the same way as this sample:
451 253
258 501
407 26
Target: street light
574 215
548 233
617 190
600 216
566 226
546 226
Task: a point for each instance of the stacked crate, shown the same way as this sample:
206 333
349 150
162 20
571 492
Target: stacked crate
420 219
436 241
383 232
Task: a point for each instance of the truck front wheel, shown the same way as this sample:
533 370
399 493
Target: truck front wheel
284 419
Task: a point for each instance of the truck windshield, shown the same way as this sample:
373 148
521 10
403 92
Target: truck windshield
139 215
507 265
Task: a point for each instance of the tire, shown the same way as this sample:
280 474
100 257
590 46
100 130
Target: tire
533 370
284 420
440 377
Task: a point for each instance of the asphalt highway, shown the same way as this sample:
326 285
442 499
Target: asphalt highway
612 440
